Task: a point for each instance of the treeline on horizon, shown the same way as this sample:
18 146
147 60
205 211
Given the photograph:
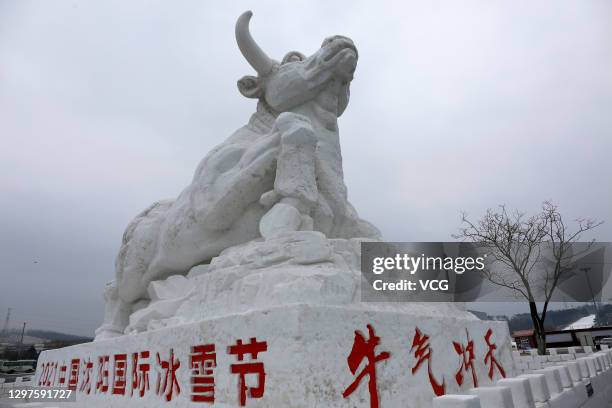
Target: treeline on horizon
555 319
47 335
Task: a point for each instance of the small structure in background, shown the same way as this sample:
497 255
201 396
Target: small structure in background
568 337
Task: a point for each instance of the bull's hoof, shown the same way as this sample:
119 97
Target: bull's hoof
281 218
268 199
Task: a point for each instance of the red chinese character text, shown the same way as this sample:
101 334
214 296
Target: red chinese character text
424 353
365 349
87 373
119 369
140 373
42 380
74 374
102 383
43 375
242 369
166 380
62 375
490 359
467 360
203 361
52 374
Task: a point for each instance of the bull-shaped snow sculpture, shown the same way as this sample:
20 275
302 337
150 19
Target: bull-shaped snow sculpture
280 172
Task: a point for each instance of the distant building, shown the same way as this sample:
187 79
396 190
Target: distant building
584 336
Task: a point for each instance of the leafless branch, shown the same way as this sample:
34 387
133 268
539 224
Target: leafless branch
516 240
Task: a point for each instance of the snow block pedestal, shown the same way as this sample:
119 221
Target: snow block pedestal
295 356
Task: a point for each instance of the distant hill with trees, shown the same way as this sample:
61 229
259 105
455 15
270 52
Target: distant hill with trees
56 336
12 349
14 335
556 319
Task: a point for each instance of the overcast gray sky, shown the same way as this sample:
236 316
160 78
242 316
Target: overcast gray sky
108 106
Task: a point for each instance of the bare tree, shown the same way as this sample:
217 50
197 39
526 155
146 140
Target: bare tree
516 241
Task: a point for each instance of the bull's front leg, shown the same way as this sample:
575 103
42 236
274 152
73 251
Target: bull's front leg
116 314
295 187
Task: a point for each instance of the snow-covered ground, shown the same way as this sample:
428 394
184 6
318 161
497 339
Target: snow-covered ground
583 323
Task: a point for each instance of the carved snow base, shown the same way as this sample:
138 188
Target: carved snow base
305 360
299 267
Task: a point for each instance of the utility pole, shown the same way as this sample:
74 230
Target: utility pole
21 340
6 323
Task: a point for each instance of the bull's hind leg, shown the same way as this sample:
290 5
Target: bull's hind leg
295 186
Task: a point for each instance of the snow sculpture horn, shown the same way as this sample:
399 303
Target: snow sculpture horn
255 56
